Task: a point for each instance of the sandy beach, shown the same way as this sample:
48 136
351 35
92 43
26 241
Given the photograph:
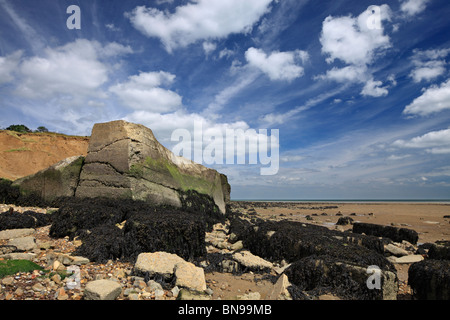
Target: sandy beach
425 218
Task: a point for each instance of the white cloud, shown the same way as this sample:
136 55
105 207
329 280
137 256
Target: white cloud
350 40
433 100
346 74
74 69
357 43
227 53
198 20
144 92
209 47
413 7
8 65
374 89
435 142
278 65
427 64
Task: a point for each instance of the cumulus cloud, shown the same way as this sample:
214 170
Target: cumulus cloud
146 92
435 142
357 42
351 40
198 20
75 69
413 7
374 89
434 99
429 64
278 65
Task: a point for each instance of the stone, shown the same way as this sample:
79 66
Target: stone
15 233
189 276
159 294
280 290
38 287
440 250
23 244
430 279
102 290
56 278
394 250
237 246
186 294
126 160
8 281
5 249
59 180
250 296
409 259
343 221
18 256
328 272
251 262
157 263
153 285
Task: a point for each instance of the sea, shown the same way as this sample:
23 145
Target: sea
436 201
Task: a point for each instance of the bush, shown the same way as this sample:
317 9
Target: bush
19 128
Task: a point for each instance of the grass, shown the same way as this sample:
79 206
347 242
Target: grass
10 267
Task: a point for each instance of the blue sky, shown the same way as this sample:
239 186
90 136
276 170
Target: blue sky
359 90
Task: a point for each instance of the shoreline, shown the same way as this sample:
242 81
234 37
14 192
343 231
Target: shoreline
399 201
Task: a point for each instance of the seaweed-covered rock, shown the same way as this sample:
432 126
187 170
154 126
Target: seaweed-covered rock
440 250
146 228
169 230
292 241
103 243
77 216
393 233
343 221
342 277
27 219
430 279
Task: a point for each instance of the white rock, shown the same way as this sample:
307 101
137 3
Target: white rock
102 290
161 263
409 259
249 260
24 243
15 233
189 276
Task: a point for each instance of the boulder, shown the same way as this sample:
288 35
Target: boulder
344 278
396 251
24 243
440 250
291 241
280 289
189 276
59 180
15 233
125 160
394 233
249 261
102 290
157 263
430 279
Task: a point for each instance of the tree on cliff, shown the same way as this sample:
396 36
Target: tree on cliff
19 128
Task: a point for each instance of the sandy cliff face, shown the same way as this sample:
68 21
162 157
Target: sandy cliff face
25 154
